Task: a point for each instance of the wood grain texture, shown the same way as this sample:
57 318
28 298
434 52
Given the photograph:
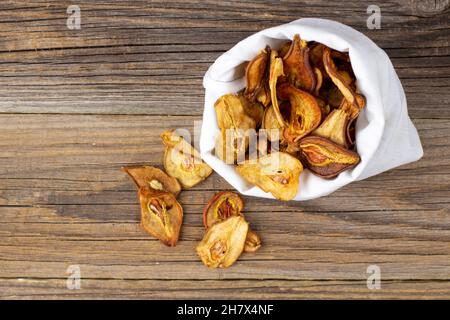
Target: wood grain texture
77 105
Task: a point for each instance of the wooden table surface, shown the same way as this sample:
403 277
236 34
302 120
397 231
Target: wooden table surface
77 105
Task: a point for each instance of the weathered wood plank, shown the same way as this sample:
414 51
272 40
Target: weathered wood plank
212 289
65 201
149 57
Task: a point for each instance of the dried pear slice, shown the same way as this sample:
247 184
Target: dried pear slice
252 242
161 215
271 124
254 110
224 205
231 113
284 48
325 158
276 71
255 74
182 161
334 127
153 179
297 67
223 242
231 148
277 173
305 112
340 79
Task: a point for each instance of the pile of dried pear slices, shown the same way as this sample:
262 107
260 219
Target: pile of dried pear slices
305 98
227 232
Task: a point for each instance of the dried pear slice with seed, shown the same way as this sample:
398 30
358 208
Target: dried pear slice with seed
182 161
305 112
297 67
326 158
277 173
276 71
161 215
153 179
224 205
255 74
334 127
223 242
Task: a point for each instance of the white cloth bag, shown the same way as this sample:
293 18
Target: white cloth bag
385 136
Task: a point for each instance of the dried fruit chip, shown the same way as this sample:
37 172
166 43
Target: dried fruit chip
252 242
224 205
305 112
340 79
161 215
231 145
182 161
334 127
235 125
255 74
297 67
276 71
223 243
353 109
319 80
316 58
231 113
325 158
153 179
277 173
270 122
284 48
253 109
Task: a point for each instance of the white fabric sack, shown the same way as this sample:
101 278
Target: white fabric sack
385 136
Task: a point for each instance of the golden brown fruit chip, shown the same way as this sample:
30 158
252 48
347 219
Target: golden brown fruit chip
305 112
153 179
223 242
276 71
353 109
264 94
316 58
334 127
277 173
340 79
161 215
223 205
284 48
182 161
231 113
325 158
254 110
271 124
319 80
255 74
297 67
231 145
252 242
